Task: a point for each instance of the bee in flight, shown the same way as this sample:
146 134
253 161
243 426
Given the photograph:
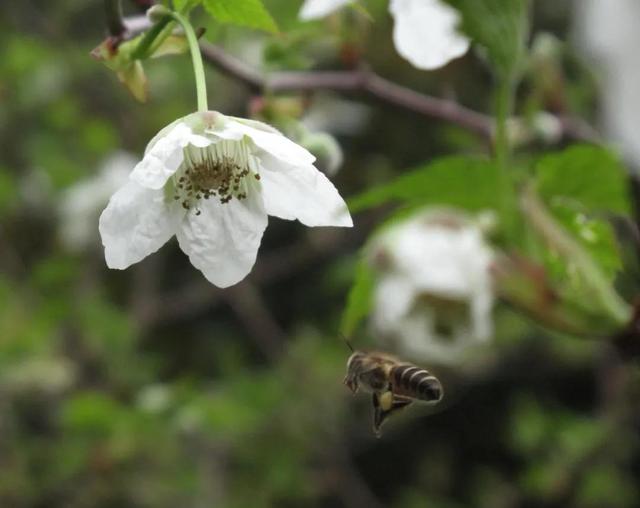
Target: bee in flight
394 384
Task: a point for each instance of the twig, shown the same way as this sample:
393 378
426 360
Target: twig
200 295
345 480
113 13
359 80
248 305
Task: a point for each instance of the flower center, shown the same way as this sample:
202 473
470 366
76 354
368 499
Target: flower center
218 171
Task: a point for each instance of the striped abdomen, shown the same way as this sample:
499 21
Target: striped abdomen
414 382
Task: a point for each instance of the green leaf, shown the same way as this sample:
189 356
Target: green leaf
585 178
359 300
595 235
185 5
499 26
249 13
468 183
581 186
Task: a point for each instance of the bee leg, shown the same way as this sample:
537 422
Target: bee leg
384 405
399 402
377 415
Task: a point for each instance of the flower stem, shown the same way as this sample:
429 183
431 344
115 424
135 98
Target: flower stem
502 149
196 59
113 12
143 49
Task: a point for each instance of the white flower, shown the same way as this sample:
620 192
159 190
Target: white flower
425 31
211 180
314 9
608 33
434 294
82 203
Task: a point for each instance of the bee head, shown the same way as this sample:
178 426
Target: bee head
353 369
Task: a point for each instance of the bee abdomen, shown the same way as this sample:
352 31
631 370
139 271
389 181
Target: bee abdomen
415 382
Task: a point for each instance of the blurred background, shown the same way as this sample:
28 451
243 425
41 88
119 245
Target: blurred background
151 388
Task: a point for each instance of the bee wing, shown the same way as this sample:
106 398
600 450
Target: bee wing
380 414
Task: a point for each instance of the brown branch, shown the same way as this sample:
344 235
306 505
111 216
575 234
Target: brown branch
359 80
247 303
200 295
113 13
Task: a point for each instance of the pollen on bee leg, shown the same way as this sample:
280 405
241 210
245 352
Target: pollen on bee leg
386 400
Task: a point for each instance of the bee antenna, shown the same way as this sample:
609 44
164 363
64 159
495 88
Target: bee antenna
346 341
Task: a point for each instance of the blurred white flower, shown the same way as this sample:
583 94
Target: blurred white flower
425 31
434 294
154 398
82 203
47 375
327 117
336 115
211 180
314 9
608 32
328 152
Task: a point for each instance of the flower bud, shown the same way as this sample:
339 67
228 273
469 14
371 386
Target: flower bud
157 12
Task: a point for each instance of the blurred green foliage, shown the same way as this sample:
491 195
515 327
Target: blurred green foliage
150 388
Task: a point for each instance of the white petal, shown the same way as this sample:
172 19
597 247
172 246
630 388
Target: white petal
313 9
162 133
425 32
165 153
222 242
480 314
301 192
265 137
136 223
393 298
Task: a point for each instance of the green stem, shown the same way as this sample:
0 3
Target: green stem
505 97
143 49
113 12
196 59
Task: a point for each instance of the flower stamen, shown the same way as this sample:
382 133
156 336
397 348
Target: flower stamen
218 170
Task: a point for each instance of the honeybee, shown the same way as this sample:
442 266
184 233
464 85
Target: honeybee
394 384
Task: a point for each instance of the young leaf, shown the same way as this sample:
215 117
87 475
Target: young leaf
249 13
464 182
581 187
185 5
585 178
499 26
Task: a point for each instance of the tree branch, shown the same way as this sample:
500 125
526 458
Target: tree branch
358 80
249 306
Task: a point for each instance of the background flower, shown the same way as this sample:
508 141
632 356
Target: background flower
81 204
425 31
433 295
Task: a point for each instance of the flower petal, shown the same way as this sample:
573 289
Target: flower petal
222 242
314 9
265 137
425 32
136 223
393 299
301 192
165 153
